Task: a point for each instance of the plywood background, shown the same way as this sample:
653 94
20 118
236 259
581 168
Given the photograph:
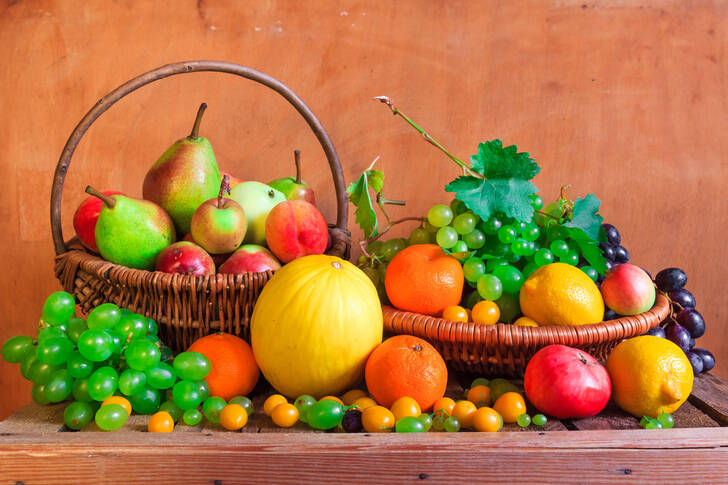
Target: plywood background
620 98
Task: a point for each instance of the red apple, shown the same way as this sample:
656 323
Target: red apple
296 228
565 382
218 259
250 258
84 220
185 257
628 290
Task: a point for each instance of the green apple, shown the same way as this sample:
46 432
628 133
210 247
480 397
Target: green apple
257 199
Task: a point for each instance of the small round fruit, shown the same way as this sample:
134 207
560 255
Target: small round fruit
351 422
500 386
350 396
333 398
487 419
243 401
212 407
539 420
111 417
479 395
463 411
270 404
486 312
510 405
364 402
479 381
426 420
77 415
285 415
377 419
523 420
192 417
160 422
455 313
409 424
233 417
444 403
118 400
525 322
405 406
325 414
451 424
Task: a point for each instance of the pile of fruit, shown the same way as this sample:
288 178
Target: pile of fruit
255 229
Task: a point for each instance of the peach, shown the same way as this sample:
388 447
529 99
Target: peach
296 228
628 290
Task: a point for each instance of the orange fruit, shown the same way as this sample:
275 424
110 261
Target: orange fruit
160 422
124 402
486 312
377 419
350 396
364 402
233 417
405 365
285 415
464 410
424 279
272 402
510 405
487 419
405 406
455 314
526 322
233 371
333 398
479 395
445 403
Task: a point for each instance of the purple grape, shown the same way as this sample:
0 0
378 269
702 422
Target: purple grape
351 422
692 321
608 250
612 234
671 279
683 298
678 335
656 332
708 359
610 315
610 264
692 344
621 255
696 361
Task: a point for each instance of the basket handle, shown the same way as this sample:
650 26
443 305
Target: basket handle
182 68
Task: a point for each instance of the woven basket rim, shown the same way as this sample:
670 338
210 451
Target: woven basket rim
440 329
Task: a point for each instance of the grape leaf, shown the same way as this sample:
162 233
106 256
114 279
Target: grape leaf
586 216
589 249
359 195
506 187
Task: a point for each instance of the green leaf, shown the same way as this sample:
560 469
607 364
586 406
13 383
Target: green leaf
375 178
589 249
495 162
586 216
359 195
486 197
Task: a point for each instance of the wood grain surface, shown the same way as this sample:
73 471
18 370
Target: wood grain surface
624 99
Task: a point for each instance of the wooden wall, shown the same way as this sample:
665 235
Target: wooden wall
621 98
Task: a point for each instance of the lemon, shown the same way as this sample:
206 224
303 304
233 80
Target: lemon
561 294
649 374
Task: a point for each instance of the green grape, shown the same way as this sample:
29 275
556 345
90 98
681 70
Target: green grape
429 228
246 403
409 424
536 202
520 226
490 287
474 239
16 348
95 345
492 225
493 263
78 415
543 257
132 381
152 328
27 364
326 414
303 403
80 390
509 306
513 258
192 417
653 425
41 373
451 424
464 223
55 351
460 247
38 394
528 270
212 407
426 421
375 248
457 206
557 233
666 420
59 386
143 355
446 237
510 277
106 315
76 326
392 247
372 274
590 272
531 232
134 325
520 247
103 383
204 388
78 366
473 298
111 417
501 250
559 248
473 269
49 333
117 340
480 381
523 420
439 215
58 308
153 339
161 376
506 234
572 258
186 394
175 411
539 420
191 366
166 354
145 401
438 420
419 235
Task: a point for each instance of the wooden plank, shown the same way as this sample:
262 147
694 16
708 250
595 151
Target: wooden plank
710 395
610 418
35 419
688 416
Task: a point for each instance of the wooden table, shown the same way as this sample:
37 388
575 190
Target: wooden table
36 448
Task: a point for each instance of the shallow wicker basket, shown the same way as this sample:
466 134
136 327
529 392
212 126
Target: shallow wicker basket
504 350
185 307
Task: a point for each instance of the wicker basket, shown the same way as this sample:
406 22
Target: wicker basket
185 307
504 350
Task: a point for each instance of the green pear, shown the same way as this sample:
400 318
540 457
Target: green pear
257 200
294 188
185 176
131 232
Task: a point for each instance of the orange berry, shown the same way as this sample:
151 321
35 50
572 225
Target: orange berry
270 404
526 322
350 396
455 313
377 419
487 419
464 410
160 422
486 312
510 405
233 417
124 402
444 403
479 395
405 406
364 402
333 398
285 415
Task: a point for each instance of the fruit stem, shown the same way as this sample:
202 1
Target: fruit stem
224 187
383 200
194 134
390 224
466 168
297 160
100 195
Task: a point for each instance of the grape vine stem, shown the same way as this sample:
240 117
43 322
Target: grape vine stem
390 224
